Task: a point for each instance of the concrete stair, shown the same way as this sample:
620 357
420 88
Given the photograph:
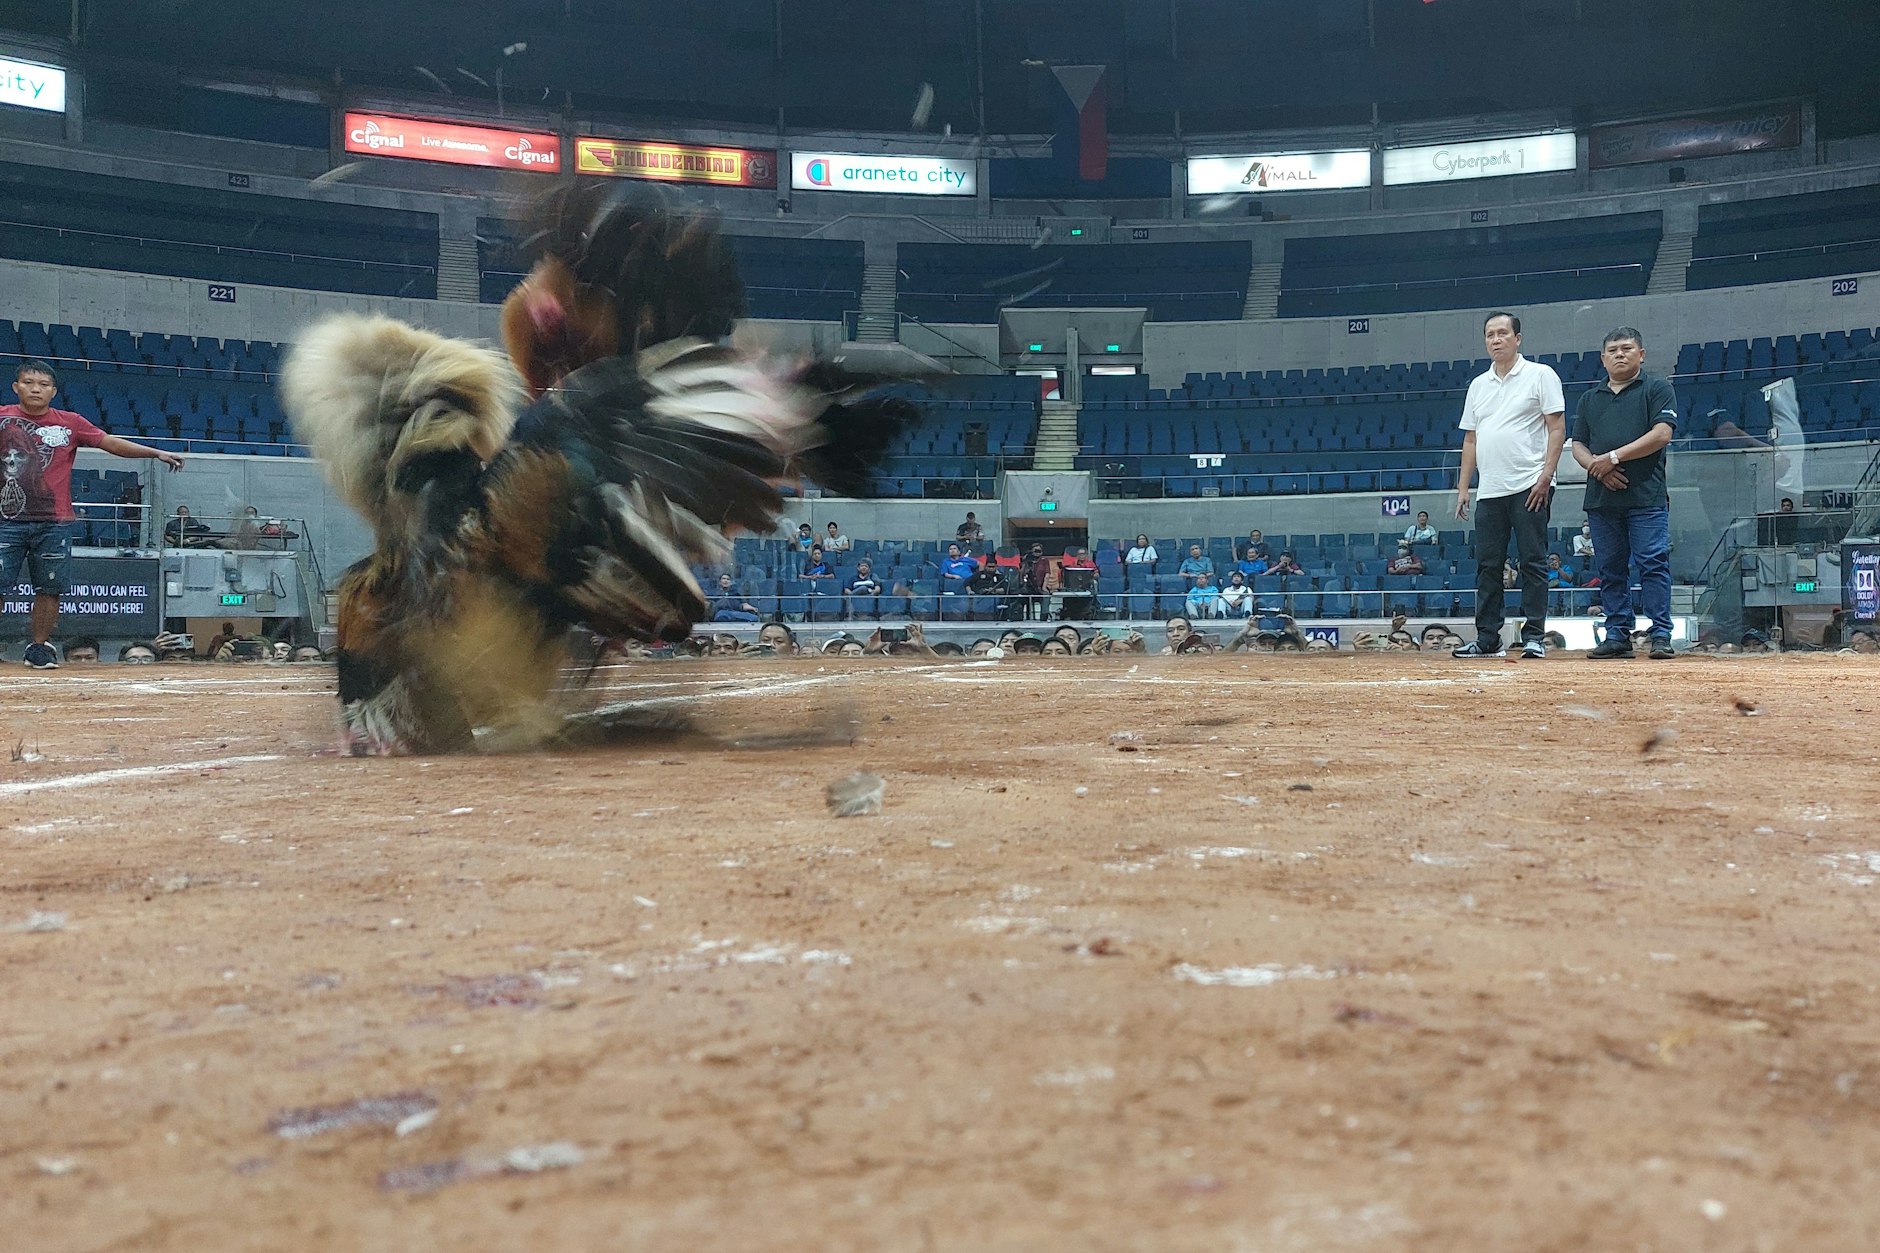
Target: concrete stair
877 323
1263 291
457 273
1674 254
1057 436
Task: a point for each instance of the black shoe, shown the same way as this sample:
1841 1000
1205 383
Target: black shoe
1476 650
1611 648
1661 649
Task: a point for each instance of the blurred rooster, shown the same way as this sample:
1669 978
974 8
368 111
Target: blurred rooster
499 527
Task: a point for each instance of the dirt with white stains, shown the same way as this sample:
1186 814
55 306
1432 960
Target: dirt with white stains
1380 953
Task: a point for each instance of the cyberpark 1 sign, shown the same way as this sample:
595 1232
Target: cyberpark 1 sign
1296 171
1704 135
31 85
887 175
454 143
676 163
1485 158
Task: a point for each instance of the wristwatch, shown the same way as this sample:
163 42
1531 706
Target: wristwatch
1613 456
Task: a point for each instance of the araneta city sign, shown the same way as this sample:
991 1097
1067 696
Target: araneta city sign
31 85
894 176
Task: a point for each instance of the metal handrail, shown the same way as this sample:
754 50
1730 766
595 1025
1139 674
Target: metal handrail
1576 272
221 249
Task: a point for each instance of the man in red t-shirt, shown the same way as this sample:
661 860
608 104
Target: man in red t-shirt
37 445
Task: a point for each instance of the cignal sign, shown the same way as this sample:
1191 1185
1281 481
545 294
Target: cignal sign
894 176
31 85
1483 158
428 139
1291 171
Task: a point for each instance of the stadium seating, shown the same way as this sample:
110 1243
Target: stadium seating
1473 268
67 217
1786 237
818 280
1175 282
1368 428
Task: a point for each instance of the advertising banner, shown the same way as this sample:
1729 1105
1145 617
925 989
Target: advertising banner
454 143
1705 135
1486 158
1860 581
110 597
894 176
31 85
676 163
1296 171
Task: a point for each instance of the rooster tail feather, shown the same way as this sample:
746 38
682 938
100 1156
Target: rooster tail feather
372 395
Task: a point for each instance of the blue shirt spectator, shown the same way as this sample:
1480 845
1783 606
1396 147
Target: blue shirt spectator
1204 599
1559 573
814 567
805 540
1195 565
957 569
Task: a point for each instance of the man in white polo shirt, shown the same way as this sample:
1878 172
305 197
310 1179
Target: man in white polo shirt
1514 424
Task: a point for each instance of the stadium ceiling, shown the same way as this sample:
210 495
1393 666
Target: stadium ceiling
1176 66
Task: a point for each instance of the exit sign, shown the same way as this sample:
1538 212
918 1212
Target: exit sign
1806 585
234 598
1047 506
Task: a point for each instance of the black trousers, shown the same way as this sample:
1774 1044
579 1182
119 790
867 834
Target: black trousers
1496 518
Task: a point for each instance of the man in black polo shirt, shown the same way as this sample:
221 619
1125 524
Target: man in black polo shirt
1620 430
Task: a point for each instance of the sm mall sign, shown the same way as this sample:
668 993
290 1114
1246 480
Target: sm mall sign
894 176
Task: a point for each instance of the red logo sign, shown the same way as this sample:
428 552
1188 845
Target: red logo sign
425 139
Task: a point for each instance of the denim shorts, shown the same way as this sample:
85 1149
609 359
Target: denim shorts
40 549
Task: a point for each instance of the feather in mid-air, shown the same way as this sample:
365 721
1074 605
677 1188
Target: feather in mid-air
575 487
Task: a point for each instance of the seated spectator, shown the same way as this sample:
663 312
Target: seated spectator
835 541
1510 574
1267 631
1420 531
981 646
1435 636
1028 643
1250 565
723 644
778 638
815 567
1583 543
1256 549
1787 506
137 655
1196 564
1285 564
247 531
864 591
1141 553
805 538
1176 630
1080 600
184 531
309 652
81 648
956 571
1559 574
1070 635
1204 599
1406 561
727 606
1236 597
1054 646
969 531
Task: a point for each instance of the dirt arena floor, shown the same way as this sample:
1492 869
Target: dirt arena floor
1213 953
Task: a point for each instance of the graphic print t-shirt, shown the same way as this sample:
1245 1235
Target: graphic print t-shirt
36 463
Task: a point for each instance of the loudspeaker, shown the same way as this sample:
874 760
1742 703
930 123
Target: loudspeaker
1254 210
1675 174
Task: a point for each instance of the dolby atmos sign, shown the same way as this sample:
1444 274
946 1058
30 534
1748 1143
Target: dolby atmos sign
894 176
1293 171
1484 158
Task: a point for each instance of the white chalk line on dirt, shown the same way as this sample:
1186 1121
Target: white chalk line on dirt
128 772
764 689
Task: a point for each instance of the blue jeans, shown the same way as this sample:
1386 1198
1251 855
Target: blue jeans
41 549
1624 536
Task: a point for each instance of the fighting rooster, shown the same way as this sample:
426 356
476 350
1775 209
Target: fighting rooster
499 527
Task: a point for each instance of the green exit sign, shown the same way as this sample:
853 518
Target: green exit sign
234 598
1806 585
1112 348
1034 347
1047 506
1077 230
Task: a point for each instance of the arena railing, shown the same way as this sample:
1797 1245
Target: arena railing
232 250
1434 283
